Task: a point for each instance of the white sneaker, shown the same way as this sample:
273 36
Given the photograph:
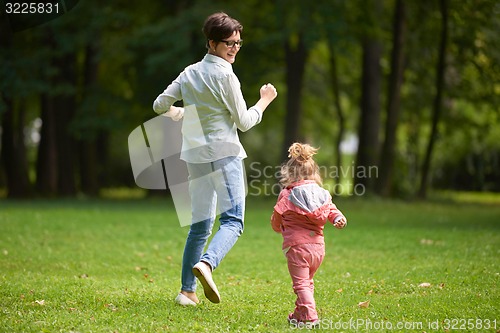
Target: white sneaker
202 271
184 300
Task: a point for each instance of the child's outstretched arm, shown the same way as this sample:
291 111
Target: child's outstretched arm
338 219
340 223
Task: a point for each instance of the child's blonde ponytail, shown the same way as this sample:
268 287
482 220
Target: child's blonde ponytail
300 166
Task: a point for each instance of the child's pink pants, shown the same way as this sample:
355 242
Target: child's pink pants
303 261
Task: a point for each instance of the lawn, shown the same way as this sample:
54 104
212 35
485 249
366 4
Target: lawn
114 266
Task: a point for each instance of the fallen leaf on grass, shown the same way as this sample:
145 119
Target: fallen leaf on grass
111 307
424 285
370 292
339 290
41 302
364 305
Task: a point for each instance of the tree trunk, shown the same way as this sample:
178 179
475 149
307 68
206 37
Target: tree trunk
46 163
89 163
393 101
5 44
57 150
437 105
102 154
370 114
295 55
64 106
88 168
14 151
340 114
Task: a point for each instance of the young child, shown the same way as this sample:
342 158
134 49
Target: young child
300 214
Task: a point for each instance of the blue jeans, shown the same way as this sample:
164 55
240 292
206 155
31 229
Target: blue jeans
216 187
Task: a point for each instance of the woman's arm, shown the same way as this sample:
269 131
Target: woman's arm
168 97
267 94
233 99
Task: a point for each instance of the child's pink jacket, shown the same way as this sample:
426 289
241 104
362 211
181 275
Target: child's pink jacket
301 212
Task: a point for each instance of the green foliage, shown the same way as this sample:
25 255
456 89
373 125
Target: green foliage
99 266
140 49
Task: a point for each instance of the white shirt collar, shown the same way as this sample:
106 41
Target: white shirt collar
218 60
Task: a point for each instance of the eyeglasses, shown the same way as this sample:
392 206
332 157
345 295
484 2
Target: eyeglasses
232 43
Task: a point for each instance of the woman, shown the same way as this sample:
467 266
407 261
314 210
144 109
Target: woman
214 110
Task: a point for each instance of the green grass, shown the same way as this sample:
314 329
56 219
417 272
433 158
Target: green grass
114 266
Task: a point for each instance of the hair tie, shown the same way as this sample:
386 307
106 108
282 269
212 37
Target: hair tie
301 152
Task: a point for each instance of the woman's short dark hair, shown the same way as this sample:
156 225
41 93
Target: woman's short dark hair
219 26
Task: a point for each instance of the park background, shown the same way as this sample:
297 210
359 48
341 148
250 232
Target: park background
413 85
401 96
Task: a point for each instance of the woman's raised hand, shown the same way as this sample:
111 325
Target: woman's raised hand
268 92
